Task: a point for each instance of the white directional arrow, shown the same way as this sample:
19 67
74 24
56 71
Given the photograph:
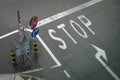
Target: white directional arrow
101 53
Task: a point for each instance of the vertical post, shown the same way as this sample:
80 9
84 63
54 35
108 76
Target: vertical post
18 15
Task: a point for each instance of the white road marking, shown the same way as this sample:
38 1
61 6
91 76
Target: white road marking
67 12
8 34
38 69
101 53
55 66
30 71
66 73
46 47
62 27
49 51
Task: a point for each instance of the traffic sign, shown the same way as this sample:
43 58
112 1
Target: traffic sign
33 22
35 32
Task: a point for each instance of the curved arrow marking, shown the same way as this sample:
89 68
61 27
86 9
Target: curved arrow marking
101 53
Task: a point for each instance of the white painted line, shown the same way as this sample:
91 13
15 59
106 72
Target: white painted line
66 73
67 12
46 47
49 51
31 71
38 69
55 66
8 34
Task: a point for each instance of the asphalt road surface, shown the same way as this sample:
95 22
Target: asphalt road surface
78 39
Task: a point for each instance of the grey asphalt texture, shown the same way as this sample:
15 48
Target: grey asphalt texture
78 59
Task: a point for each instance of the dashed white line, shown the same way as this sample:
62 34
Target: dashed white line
67 12
66 73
